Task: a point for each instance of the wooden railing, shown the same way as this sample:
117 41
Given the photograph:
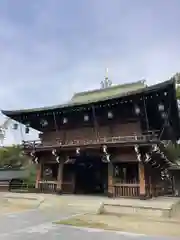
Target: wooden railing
68 187
47 186
104 140
126 190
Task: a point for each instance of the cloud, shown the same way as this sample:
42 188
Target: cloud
51 49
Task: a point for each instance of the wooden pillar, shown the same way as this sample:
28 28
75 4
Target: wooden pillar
110 180
60 177
142 182
150 187
38 175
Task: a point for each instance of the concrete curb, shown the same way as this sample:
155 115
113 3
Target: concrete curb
32 199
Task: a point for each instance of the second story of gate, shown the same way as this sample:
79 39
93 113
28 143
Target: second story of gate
126 113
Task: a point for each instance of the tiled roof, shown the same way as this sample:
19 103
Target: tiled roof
109 92
97 96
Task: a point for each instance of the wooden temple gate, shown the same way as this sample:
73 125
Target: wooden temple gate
109 140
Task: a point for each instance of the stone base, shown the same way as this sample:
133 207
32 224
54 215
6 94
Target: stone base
143 197
59 191
110 195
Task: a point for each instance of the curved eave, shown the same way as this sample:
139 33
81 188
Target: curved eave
11 113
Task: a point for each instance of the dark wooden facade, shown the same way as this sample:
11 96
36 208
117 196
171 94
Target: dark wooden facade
111 146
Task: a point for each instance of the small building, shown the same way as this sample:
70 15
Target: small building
108 141
12 178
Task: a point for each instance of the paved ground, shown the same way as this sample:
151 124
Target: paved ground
37 224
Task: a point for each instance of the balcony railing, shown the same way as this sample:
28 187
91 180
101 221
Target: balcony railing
38 144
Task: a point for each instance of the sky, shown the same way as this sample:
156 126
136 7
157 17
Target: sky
50 49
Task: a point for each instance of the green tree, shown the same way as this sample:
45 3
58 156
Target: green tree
12 157
177 79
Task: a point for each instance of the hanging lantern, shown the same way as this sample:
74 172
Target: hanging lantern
44 123
161 107
110 115
137 110
65 120
86 118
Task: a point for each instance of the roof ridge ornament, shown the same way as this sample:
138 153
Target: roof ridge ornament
107 82
144 81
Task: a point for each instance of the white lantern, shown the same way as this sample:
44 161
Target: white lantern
86 118
110 115
137 110
44 123
161 107
65 120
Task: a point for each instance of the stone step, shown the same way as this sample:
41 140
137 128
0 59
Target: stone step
134 210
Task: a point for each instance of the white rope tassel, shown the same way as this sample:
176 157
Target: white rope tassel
136 148
32 154
67 160
36 160
156 148
148 158
57 159
54 153
106 155
108 158
78 151
34 157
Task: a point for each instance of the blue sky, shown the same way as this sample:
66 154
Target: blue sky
50 49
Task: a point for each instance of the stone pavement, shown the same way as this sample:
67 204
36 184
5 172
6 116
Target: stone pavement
82 200
19 224
37 223
159 207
